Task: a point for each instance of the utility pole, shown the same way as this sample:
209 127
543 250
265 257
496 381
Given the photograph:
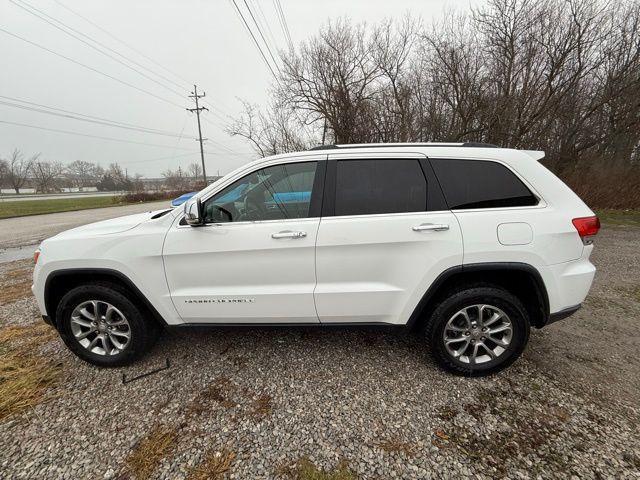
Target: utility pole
197 110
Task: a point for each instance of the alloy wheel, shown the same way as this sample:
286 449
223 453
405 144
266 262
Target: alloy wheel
100 327
478 334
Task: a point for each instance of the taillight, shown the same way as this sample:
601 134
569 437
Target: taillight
587 227
36 255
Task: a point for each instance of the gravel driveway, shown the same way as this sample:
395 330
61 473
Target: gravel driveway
343 403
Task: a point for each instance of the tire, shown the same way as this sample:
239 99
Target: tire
509 342
80 303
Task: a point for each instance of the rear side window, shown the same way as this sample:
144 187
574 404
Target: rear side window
481 184
366 187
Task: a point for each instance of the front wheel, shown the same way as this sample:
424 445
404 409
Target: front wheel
102 326
478 331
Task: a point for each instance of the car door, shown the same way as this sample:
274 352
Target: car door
384 237
253 260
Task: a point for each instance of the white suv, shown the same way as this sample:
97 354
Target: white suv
472 243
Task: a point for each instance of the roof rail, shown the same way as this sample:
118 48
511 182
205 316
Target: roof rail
323 147
479 145
382 145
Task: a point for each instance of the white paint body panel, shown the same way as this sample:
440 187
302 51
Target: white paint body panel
347 269
239 273
375 268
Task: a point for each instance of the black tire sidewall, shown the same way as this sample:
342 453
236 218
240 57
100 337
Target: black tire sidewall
140 331
499 298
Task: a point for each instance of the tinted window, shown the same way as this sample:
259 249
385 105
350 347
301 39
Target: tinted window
481 184
272 193
379 186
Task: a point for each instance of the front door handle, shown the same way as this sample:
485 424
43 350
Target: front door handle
436 227
288 234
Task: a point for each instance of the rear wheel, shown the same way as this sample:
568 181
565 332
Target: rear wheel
478 330
103 327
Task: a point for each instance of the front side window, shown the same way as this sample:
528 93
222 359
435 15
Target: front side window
481 184
366 187
272 193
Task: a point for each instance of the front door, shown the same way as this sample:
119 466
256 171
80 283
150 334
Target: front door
254 259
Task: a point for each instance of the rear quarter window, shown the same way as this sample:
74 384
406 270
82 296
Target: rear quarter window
481 184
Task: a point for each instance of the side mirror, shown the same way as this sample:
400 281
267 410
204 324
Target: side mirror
193 212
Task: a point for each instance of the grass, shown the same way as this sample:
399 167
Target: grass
17 287
25 374
261 406
395 445
619 217
23 208
305 469
148 454
214 466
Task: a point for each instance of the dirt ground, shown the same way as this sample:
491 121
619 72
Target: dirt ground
329 403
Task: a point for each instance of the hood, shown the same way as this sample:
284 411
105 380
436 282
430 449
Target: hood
114 225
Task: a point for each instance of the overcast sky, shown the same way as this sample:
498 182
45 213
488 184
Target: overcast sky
204 42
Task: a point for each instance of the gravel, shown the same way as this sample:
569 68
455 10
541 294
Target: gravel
373 399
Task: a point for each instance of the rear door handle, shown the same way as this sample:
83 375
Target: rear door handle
288 234
436 227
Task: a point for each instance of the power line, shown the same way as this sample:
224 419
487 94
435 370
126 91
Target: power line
261 35
187 82
129 59
255 41
170 157
89 68
283 21
88 135
31 10
266 22
88 118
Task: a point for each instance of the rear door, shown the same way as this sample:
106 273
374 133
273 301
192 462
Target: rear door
384 236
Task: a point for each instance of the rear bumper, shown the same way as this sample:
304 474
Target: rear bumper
567 285
562 314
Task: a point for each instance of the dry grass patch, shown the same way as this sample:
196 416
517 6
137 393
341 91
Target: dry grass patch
25 374
261 406
214 466
219 391
16 285
305 469
148 454
395 445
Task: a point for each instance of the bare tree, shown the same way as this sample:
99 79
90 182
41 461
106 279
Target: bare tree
19 168
83 174
557 75
4 172
175 180
119 176
194 170
46 176
278 131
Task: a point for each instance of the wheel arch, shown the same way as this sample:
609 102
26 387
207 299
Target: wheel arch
521 279
59 282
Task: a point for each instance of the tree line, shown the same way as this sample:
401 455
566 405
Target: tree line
19 172
556 75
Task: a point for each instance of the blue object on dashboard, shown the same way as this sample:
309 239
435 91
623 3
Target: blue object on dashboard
181 199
